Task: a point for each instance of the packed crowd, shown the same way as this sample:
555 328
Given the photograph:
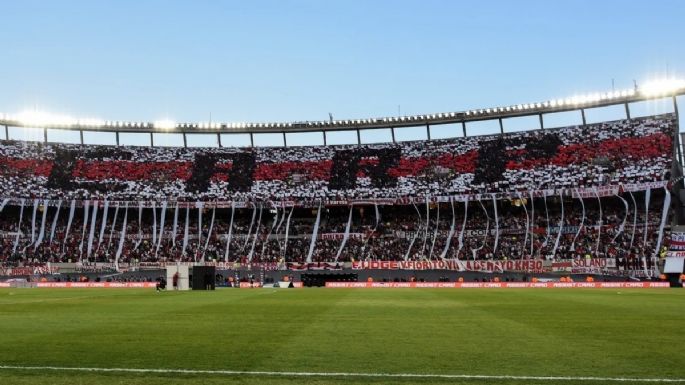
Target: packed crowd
511 229
621 152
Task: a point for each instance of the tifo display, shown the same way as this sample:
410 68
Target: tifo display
592 192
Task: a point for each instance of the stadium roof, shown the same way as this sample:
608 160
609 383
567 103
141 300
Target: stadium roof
648 91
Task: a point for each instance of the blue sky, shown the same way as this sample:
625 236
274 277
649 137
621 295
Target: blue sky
292 60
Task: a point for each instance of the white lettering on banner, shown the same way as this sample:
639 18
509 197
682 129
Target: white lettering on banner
594 263
335 236
32 270
531 265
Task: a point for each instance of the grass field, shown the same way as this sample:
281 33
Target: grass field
633 333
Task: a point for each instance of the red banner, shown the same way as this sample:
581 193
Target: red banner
499 285
529 265
118 285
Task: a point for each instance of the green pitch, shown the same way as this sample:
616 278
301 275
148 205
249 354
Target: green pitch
573 333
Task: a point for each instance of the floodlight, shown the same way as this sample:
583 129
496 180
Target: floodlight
661 87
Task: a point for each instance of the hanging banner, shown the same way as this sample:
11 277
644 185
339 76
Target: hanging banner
416 233
71 217
256 234
230 233
114 224
287 230
21 215
526 265
105 210
161 226
154 223
209 234
33 221
122 238
54 221
92 230
346 234
86 216
175 226
316 231
448 241
185 231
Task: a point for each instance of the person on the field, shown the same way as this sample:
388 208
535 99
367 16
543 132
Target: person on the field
161 284
174 281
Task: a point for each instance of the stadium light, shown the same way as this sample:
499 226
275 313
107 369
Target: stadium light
661 87
164 124
42 118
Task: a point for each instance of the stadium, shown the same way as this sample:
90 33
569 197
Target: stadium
549 249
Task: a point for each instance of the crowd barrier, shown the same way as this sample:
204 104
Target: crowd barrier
118 285
498 285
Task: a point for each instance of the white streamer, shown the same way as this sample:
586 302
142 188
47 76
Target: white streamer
547 232
625 217
249 232
632 236
271 230
561 226
287 231
416 233
451 233
54 221
599 227
435 233
463 225
256 235
200 206
525 239
174 226
230 232
185 231
494 204
33 221
664 216
582 221
71 217
162 219
209 233
154 223
21 216
114 224
105 209
648 196
487 230
122 238
425 230
532 224
315 233
140 226
346 236
41 233
91 234
86 215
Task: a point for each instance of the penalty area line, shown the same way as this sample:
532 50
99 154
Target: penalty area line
341 374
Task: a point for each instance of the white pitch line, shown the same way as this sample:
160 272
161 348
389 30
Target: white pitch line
344 374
